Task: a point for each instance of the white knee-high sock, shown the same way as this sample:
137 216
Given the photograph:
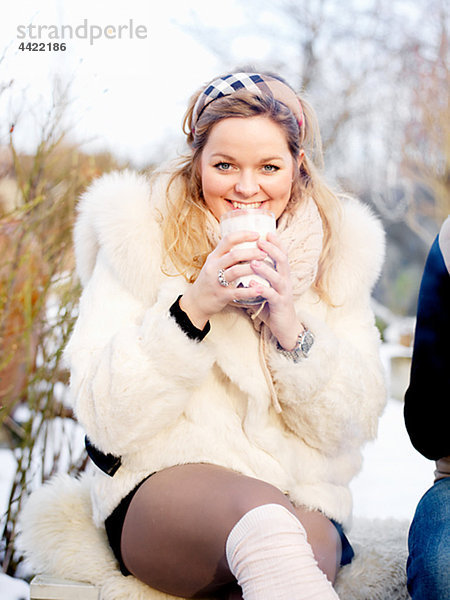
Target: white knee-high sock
268 553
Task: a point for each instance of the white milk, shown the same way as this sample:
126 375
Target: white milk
249 219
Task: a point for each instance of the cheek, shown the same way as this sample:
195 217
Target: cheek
212 184
282 188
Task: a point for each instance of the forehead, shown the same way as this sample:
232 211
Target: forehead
247 134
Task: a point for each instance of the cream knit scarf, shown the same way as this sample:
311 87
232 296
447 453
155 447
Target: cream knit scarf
301 232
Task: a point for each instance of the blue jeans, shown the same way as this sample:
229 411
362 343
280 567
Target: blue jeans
428 567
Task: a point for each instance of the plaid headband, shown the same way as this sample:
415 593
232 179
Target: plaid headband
253 82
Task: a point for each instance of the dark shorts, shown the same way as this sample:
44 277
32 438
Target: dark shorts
114 525
347 550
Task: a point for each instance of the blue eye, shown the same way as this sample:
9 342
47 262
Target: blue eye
223 166
270 168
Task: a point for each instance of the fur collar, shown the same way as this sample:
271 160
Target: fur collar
117 214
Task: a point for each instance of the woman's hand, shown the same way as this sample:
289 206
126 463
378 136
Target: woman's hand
279 313
206 296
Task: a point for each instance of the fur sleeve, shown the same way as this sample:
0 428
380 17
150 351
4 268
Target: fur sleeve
333 398
132 368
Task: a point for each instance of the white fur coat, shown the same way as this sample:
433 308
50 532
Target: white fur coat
145 391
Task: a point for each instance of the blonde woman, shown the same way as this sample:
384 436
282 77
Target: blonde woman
227 421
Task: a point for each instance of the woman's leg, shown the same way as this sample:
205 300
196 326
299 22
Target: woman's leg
177 527
324 539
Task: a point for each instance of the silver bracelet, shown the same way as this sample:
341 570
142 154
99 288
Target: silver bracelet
304 344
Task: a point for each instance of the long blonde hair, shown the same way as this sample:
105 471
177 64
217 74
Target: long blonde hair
185 243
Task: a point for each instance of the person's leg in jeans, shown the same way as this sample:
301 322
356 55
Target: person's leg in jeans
428 567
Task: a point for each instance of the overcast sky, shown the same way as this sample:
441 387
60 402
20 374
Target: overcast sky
128 94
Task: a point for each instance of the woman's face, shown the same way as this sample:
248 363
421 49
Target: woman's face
246 163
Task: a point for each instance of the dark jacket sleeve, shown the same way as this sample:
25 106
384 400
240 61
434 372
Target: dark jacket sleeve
428 396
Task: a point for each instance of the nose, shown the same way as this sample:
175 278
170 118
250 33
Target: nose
247 185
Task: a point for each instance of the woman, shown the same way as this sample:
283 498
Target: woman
230 433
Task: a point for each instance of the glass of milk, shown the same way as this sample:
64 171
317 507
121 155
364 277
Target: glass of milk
249 219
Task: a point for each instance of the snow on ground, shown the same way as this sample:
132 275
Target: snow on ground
394 475
13 589
393 478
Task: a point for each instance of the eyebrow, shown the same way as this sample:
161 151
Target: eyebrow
231 158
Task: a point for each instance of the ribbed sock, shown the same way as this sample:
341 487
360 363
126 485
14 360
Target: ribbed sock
268 553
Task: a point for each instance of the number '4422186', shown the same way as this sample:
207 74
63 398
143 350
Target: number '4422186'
43 46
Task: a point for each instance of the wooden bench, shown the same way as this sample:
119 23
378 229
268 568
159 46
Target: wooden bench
43 587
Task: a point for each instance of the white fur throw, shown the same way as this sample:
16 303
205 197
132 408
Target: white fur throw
58 538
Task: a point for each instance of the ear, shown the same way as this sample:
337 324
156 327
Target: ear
297 164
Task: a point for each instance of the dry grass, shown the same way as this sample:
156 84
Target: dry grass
38 298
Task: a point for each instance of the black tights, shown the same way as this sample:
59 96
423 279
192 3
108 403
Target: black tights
177 525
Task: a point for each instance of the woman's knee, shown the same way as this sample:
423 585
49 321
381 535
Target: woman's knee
201 503
246 493
324 540
251 493
182 516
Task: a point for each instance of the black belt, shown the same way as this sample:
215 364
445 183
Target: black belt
108 463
